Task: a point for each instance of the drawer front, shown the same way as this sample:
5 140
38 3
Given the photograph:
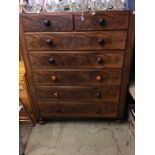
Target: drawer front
107 20
47 23
77 60
76 77
77 40
73 93
48 110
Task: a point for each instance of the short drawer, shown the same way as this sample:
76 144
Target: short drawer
76 40
55 60
47 22
76 77
77 93
107 20
48 110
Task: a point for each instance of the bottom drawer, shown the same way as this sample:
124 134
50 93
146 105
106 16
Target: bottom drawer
51 110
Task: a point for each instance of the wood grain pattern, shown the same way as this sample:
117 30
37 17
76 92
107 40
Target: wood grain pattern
62 62
111 59
27 103
29 75
113 20
76 40
35 22
75 93
49 110
127 65
76 77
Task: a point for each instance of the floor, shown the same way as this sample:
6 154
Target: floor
78 138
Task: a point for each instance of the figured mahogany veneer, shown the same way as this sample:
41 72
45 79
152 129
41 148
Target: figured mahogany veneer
61 110
76 59
109 20
79 77
82 93
77 69
76 40
47 23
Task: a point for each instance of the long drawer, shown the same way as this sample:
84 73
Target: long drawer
111 20
77 93
108 40
76 77
80 59
48 110
47 22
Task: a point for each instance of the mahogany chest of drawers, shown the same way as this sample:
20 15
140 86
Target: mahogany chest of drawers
78 69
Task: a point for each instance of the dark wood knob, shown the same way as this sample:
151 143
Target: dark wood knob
98 94
47 22
98 110
100 60
49 41
58 109
51 60
98 78
56 95
101 21
101 41
54 78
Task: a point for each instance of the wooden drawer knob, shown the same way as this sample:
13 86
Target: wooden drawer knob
49 41
98 110
56 95
51 60
98 94
98 78
101 41
58 109
54 78
47 22
100 60
101 21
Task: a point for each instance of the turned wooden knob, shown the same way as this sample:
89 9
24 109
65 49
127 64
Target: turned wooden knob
98 94
101 41
49 41
47 22
101 21
98 110
51 60
58 109
56 95
54 78
98 78
100 60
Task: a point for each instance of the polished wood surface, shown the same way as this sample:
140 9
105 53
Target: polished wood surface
127 65
29 76
49 111
47 23
76 59
76 40
76 77
102 21
21 74
75 93
24 97
75 68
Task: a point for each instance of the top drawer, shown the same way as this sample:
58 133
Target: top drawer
107 20
47 22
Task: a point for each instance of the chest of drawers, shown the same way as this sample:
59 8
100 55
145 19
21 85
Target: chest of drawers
78 68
